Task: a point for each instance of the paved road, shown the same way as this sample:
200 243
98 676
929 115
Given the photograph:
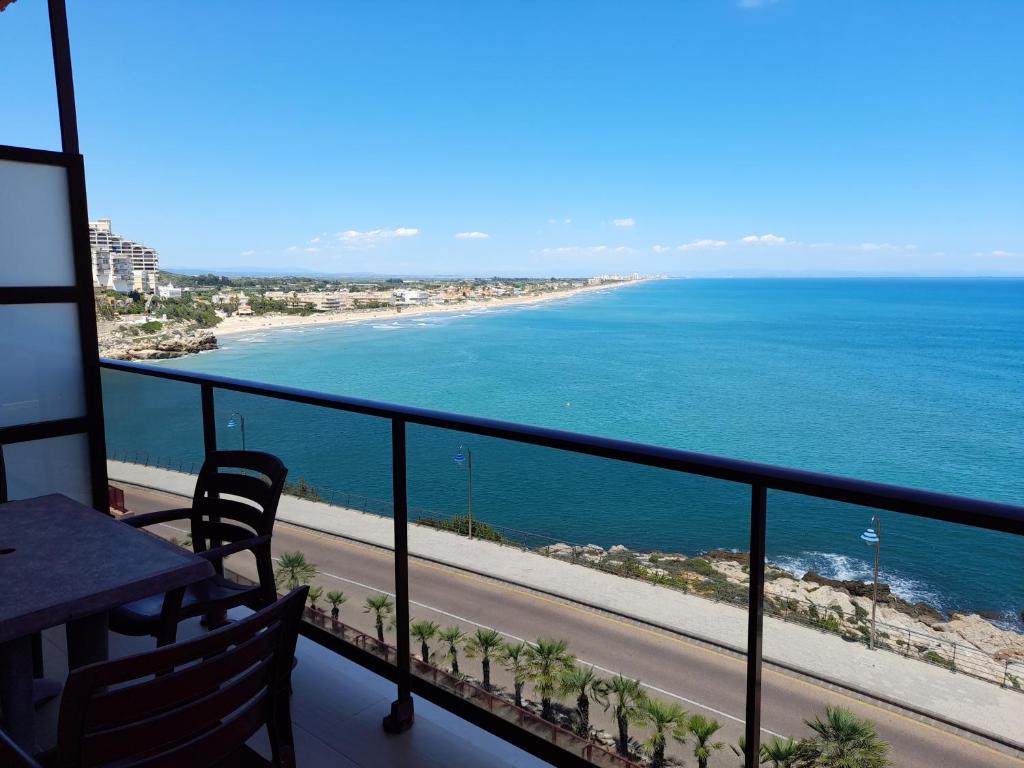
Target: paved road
699 678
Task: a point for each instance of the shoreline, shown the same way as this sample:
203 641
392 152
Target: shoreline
234 325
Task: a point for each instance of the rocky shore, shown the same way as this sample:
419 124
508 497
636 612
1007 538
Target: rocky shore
162 346
965 642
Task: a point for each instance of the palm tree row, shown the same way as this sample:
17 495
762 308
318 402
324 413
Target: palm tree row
839 740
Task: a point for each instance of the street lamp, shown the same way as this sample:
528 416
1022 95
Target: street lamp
236 419
871 536
465 456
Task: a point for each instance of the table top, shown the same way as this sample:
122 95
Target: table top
61 560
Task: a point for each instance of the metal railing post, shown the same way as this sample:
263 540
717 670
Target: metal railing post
401 717
209 419
755 622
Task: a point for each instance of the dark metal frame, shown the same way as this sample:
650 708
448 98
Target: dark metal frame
761 478
81 293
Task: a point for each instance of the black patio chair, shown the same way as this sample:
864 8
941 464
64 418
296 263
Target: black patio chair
235 501
194 703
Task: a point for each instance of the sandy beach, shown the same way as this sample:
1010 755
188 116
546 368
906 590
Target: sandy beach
235 325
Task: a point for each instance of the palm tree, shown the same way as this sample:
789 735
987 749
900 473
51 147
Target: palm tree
546 662
626 697
336 599
666 720
485 643
842 739
293 571
313 596
424 631
583 682
453 637
781 753
703 729
383 609
514 659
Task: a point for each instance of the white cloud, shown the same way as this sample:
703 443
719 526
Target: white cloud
471 235
247 253
700 245
373 236
630 222
315 240
1000 254
567 221
768 239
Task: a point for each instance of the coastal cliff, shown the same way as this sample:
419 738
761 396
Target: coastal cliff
166 346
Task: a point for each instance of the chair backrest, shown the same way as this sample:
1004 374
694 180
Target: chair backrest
236 489
190 704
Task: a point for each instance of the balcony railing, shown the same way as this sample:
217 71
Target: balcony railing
758 478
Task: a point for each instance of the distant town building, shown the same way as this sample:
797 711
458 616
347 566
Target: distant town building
168 291
243 304
407 297
120 264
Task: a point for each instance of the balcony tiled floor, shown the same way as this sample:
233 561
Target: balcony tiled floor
337 711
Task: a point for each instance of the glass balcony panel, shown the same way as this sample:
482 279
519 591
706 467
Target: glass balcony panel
818 621
42 363
53 465
335 512
152 424
609 557
35 230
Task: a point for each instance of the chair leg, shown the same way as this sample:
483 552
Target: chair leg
214 619
167 630
37 656
279 729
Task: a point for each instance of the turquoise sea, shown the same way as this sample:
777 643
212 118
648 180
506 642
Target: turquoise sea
916 382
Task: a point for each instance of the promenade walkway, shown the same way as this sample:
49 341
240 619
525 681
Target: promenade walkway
977 706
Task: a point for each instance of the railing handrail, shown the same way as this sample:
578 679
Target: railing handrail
978 513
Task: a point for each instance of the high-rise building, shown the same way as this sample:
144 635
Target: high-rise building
121 264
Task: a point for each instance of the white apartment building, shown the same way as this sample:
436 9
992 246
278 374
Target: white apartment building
168 291
407 297
120 264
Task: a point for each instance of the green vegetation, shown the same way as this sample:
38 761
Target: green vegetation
313 597
665 720
152 326
383 609
547 662
627 698
293 571
186 309
779 753
460 524
515 659
303 490
703 730
700 566
485 643
584 684
454 638
424 631
841 740
261 305
934 657
336 599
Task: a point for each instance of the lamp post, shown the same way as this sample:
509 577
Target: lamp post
465 456
236 419
871 536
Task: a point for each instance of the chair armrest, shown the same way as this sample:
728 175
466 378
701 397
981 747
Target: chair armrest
218 553
152 518
14 756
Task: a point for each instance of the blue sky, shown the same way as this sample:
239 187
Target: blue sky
706 137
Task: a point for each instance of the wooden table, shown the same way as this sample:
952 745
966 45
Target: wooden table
64 563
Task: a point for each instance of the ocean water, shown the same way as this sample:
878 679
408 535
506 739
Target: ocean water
915 382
